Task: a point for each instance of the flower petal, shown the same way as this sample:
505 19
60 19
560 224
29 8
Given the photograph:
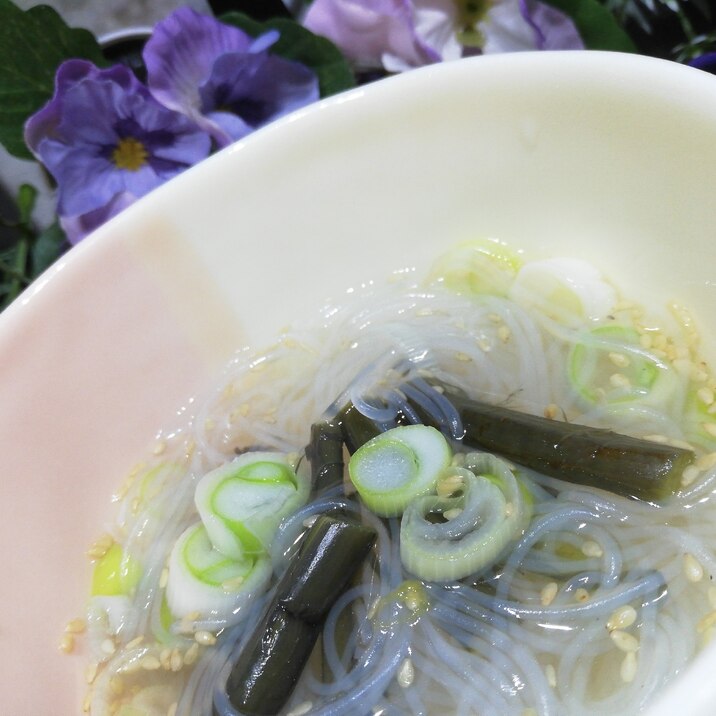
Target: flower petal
77 227
181 52
369 31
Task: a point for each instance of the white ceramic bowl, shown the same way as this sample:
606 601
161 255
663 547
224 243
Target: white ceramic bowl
605 156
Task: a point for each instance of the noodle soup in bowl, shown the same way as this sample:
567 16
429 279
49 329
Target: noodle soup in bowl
313 249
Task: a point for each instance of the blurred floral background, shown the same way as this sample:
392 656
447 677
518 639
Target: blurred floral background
92 119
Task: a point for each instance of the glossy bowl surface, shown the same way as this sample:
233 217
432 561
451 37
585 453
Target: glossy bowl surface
605 156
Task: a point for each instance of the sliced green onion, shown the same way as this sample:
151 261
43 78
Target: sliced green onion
398 465
206 581
242 503
274 656
451 537
608 365
115 573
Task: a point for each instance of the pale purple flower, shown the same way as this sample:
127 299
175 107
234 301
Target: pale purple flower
106 141
401 34
223 79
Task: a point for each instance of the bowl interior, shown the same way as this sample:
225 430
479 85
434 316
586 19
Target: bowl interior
602 156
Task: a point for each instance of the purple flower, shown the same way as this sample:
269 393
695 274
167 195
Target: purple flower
107 141
220 77
401 34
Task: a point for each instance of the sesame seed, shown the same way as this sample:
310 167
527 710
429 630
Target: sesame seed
529 712
310 521
706 622
548 593
205 638
706 462
244 409
231 585
116 685
452 514
151 663
551 411
135 642
705 395
646 341
620 360
191 654
406 674
621 618
504 333
164 657
689 475
581 595
176 661
108 647
87 703
100 546
164 578
619 380
159 447
551 673
590 548
692 568
462 357
484 345
76 626
67 643
624 641
710 428
654 438
509 509
494 317
450 485
628 667
712 596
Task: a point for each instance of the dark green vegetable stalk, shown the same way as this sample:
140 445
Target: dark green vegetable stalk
325 453
625 465
357 429
270 664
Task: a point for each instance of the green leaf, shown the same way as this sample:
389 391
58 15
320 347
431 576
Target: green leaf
26 197
33 44
597 26
299 44
48 247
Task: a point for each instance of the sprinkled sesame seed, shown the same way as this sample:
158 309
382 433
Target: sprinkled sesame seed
151 663
551 411
620 360
76 626
164 578
706 622
655 438
689 475
622 617
692 568
100 546
244 409
551 673
205 638
484 345
581 595
164 658
191 654
590 548
301 709
406 674
628 667
462 357
494 317
548 593
529 712
67 643
116 685
177 661
450 485
87 703
509 509
135 642
159 447
712 596
310 521
646 341
619 380
452 514
624 641
504 334
231 585
108 647
710 428
705 395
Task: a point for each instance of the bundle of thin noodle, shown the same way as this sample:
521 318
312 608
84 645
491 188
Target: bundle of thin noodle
434 544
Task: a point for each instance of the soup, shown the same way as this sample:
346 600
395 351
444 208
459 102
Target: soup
560 563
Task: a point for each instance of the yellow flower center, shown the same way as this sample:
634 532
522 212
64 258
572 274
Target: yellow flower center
129 154
469 14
